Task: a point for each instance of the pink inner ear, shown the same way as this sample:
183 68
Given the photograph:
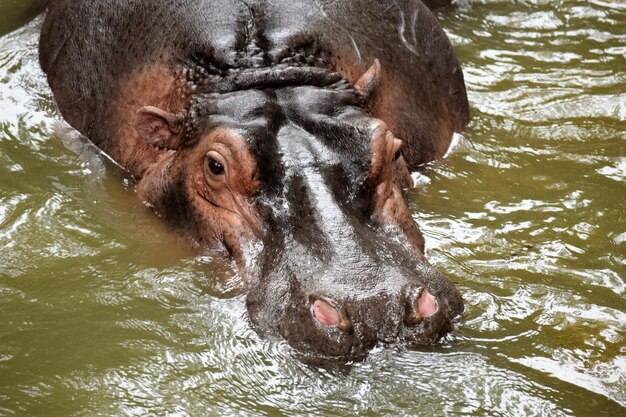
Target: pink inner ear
155 126
326 313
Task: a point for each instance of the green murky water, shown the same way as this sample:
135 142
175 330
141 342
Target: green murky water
102 312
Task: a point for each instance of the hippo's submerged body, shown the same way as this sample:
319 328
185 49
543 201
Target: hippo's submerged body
271 128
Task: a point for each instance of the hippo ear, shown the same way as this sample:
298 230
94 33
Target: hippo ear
159 127
367 84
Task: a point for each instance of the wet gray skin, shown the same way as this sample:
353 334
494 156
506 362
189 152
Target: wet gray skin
320 239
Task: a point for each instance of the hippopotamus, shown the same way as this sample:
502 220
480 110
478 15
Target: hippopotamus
283 132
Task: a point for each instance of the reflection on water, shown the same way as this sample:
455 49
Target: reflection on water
104 312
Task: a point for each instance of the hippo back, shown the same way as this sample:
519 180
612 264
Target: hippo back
90 50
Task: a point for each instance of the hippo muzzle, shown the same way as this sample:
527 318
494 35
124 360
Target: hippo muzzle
338 308
340 271
347 327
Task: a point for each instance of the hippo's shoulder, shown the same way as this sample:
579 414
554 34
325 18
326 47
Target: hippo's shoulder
141 29
88 47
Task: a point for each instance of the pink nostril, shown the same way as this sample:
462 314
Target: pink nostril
326 313
427 304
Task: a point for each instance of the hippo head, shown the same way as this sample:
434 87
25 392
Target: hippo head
303 187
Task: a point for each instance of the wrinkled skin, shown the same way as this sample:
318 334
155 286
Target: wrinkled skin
284 133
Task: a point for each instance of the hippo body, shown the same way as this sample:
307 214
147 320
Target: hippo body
271 128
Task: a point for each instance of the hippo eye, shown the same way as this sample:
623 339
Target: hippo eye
215 167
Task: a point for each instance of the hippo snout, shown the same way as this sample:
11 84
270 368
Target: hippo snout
414 317
419 304
336 326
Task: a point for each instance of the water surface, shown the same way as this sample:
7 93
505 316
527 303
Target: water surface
104 312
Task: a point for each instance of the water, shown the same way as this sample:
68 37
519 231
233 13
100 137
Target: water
104 312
